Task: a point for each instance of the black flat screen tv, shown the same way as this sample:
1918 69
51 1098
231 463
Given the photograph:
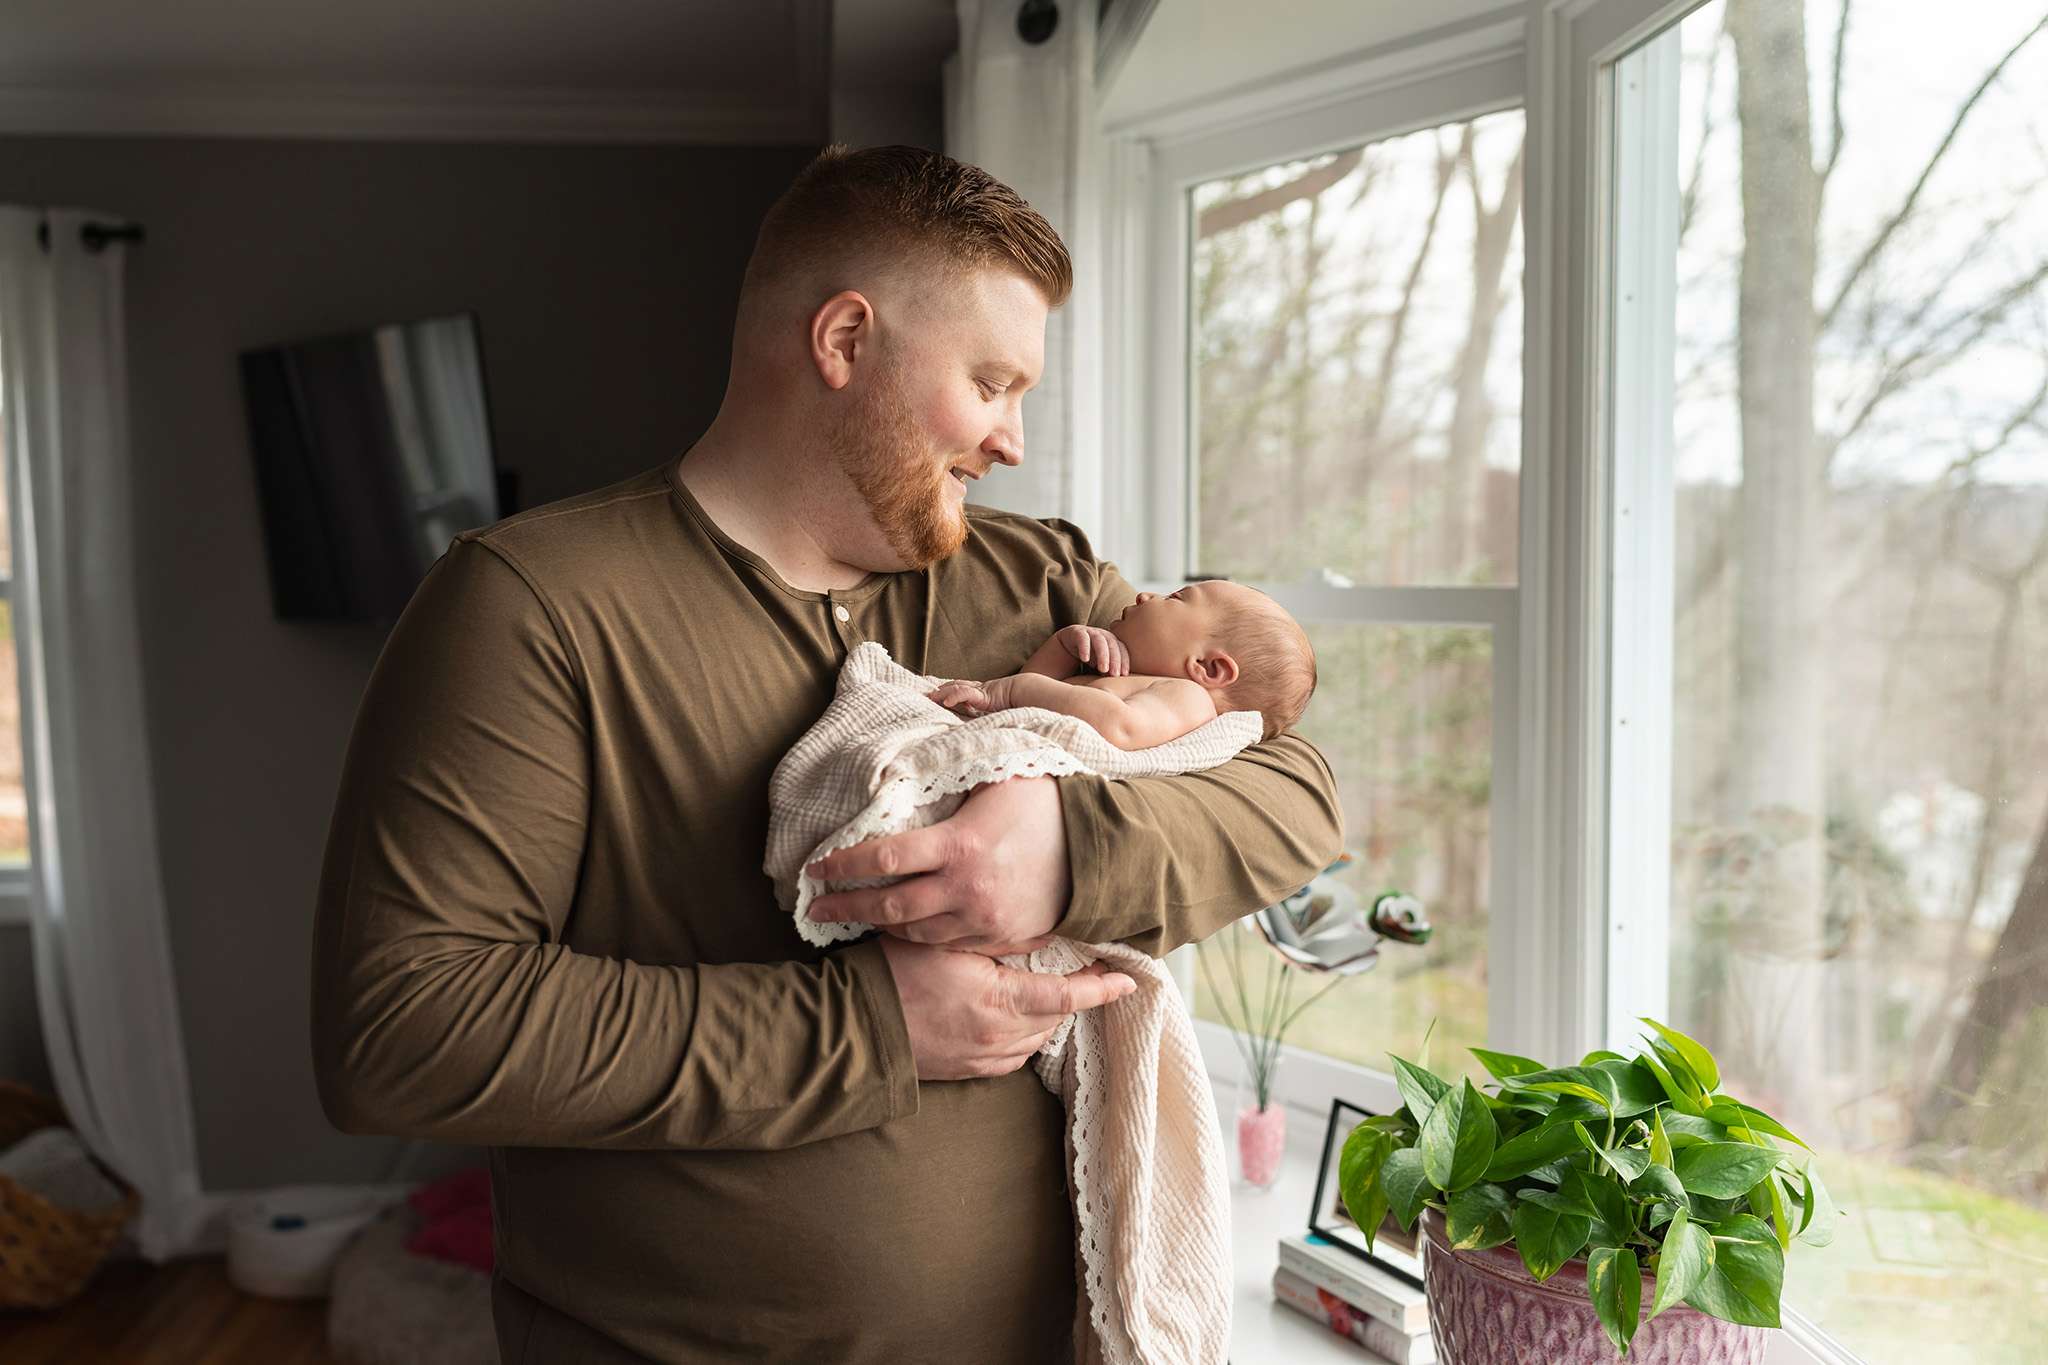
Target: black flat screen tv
373 450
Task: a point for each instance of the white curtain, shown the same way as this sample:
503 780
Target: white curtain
103 958
1025 113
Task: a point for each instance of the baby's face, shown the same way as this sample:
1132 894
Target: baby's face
1164 631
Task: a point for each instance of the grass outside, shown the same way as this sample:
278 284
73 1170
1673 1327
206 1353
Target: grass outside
1926 1270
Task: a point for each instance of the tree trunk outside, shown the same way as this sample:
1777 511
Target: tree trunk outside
2015 981
1777 785
1472 413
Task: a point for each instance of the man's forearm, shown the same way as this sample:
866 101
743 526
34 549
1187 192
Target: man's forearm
1162 861
533 1045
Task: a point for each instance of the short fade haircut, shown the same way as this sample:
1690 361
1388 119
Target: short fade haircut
853 206
1276 667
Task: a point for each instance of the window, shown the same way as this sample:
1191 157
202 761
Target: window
1830 622
1355 368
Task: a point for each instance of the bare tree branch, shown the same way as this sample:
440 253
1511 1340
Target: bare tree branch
1397 324
1835 96
1859 561
1936 352
1237 212
1912 199
1689 201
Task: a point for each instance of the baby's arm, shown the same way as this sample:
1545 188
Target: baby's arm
1166 710
1063 655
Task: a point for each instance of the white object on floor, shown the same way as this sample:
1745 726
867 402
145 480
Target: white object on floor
283 1244
53 1163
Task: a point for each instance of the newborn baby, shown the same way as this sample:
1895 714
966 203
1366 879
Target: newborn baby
1167 666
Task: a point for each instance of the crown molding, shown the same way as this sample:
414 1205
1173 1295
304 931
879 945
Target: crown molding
415 114
1498 35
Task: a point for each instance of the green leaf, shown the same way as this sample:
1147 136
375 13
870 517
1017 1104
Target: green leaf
1458 1140
1358 1176
1575 1089
1687 1256
1681 1099
1614 1217
1616 1284
1633 1089
1538 1147
1659 1182
1405 1184
1747 1276
1479 1217
1502 1065
1723 1170
1822 1215
1420 1090
1767 1201
1660 1142
1558 1200
1698 1060
1764 1123
1626 1162
1548 1238
1685 1129
1601 1055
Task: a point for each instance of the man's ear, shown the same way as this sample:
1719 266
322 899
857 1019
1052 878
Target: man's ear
1213 671
842 333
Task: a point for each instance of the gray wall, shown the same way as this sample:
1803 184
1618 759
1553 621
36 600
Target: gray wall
605 279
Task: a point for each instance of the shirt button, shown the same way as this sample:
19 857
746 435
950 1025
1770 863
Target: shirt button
842 613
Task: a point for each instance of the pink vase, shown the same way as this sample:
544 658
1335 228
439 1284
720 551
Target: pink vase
1261 1138
1487 1309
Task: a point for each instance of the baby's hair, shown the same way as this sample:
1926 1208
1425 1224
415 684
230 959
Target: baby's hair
1276 666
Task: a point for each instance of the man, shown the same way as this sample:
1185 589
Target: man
543 923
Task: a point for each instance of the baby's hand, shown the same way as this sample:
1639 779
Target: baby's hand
1096 647
965 698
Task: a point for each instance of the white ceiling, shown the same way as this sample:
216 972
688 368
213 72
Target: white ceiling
633 69
1195 50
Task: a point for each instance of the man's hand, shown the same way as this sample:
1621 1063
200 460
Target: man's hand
971 1016
992 878
1096 647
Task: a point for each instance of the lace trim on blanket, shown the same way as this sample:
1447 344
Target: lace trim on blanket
901 800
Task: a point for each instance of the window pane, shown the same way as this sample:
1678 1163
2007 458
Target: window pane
1358 362
1861 741
1404 715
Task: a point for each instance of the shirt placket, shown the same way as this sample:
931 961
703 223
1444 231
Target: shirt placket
845 622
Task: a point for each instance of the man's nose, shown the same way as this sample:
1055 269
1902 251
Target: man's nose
1005 445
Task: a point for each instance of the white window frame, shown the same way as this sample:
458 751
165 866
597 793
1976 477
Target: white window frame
1578 944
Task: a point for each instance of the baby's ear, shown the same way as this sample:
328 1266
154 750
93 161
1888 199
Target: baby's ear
1213 671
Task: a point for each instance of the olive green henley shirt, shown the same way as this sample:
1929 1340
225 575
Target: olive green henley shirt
543 927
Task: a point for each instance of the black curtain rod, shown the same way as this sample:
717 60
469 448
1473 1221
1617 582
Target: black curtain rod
95 236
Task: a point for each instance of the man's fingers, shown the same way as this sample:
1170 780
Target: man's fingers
898 907
893 855
1040 996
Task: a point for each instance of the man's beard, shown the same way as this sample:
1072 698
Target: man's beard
900 476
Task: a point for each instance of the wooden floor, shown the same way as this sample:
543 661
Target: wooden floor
184 1313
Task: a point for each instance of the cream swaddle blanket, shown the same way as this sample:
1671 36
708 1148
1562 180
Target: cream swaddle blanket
1145 1157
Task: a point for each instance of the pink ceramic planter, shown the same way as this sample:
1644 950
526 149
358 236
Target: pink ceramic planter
1261 1138
1487 1309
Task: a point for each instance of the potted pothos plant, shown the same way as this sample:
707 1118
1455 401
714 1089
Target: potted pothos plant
1672 1204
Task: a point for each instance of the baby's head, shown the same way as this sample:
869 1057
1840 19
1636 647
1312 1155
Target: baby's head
1233 640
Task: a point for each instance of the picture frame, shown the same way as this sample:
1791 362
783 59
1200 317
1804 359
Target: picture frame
1394 1251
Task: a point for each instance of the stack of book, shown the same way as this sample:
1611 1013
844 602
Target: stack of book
1355 1299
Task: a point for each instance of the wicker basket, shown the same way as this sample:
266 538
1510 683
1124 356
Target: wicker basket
47 1253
